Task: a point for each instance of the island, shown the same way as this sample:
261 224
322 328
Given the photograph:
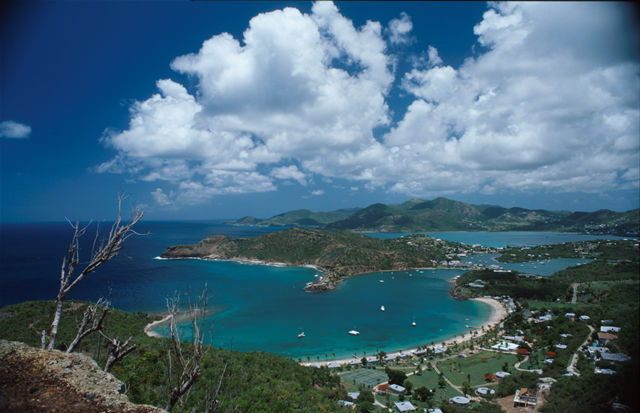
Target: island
338 254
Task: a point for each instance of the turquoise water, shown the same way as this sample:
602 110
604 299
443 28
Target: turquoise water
268 312
540 267
256 307
502 239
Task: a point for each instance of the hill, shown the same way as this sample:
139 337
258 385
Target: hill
339 254
300 217
442 214
47 381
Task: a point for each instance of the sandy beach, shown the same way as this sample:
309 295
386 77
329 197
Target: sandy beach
498 313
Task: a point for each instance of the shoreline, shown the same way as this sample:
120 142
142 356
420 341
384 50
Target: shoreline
497 314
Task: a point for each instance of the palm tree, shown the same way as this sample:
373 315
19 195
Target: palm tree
326 355
308 358
334 355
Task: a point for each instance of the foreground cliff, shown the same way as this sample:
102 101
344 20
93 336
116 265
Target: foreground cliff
33 380
339 254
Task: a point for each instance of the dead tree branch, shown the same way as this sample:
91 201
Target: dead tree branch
90 316
188 361
102 252
117 351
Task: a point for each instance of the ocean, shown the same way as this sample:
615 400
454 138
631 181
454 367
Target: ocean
255 307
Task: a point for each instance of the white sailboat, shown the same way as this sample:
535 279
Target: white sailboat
414 321
382 308
301 333
354 332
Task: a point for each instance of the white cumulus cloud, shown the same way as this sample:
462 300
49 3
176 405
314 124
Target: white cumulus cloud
550 102
13 129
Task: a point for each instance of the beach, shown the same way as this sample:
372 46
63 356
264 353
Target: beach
498 313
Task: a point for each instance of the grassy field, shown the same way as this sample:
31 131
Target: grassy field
475 365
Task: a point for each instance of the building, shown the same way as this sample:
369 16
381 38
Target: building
525 397
604 338
405 407
609 329
459 401
592 350
484 391
345 403
504 346
584 318
333 365
570 315
354 395
615 357
396 389
501 374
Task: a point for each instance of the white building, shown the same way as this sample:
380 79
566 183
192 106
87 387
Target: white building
405 407
609 329
396 389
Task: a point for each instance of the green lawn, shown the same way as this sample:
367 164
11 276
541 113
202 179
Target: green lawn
475 365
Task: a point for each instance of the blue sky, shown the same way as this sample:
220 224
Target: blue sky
206 110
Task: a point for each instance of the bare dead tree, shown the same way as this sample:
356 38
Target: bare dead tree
117 350
90 316
187 360
101 253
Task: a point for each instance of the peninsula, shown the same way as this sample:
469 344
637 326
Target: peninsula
338 254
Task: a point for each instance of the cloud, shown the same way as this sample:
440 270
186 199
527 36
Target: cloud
548 106
290 172
13 129
161 198
551 102
317 192
399 30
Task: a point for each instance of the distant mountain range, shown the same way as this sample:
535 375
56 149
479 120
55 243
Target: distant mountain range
442 214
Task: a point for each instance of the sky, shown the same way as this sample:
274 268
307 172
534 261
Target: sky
219 110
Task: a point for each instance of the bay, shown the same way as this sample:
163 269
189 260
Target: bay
254 307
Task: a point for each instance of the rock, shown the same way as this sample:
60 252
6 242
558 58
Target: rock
38 380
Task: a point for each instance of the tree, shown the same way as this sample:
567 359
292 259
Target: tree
422 393
103 251
407 385
188 359
442 383
396 377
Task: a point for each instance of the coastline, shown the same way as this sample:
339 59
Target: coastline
497 314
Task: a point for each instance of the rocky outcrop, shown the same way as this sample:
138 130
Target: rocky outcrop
33 380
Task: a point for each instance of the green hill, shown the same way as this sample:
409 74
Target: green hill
442 214
339 254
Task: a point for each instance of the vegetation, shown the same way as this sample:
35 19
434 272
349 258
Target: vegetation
441 214
255 381
339 253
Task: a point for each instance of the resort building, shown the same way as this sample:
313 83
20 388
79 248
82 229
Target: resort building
501 374
504 346
396 389
405 407
525 397
592 350
561 346
485 391
604 338
584 318
543 318
345 403
354 394
333 365
609 329
615 357
570 315
459 401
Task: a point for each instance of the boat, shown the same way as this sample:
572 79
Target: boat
354 332
414 321
382 308
301 333
381 281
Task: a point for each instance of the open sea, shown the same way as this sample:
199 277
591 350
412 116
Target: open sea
258 307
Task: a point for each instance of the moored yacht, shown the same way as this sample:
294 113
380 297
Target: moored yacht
354 332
